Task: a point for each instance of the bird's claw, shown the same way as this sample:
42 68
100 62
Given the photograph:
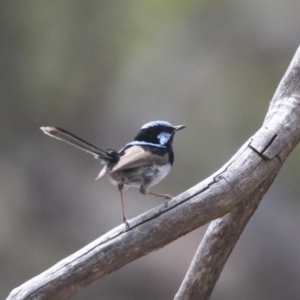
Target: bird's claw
126 223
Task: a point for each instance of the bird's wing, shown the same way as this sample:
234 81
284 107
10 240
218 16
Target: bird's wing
136 156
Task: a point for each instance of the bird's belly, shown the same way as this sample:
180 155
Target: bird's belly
146 176
162 172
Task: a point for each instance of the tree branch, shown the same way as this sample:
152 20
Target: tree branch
257 161
222 234
216 246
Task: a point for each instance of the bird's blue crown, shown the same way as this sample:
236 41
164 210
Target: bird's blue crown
157 123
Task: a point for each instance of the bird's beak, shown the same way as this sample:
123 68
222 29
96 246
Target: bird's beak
179 127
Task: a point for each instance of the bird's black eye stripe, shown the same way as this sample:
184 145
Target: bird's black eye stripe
151 134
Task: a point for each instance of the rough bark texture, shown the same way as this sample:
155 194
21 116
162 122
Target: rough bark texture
222 234
216 246
243 180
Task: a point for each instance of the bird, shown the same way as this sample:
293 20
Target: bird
142 163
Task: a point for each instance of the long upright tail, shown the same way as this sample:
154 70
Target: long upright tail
108 156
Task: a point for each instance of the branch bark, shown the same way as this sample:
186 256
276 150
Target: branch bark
222 234
257 161
216 246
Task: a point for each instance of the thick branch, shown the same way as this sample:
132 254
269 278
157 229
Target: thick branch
223 233
216 246
258 160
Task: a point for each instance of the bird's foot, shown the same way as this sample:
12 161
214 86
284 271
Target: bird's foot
126 223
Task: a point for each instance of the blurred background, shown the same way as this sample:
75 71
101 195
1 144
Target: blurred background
102 69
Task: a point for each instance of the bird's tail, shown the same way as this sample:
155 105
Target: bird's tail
109 156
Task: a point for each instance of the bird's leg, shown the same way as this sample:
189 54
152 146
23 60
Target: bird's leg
144 191
120 188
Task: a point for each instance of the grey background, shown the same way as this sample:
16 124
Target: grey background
102 69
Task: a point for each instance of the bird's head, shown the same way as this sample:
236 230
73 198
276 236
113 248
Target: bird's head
158 133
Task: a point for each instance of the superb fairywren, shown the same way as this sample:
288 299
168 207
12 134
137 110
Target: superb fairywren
141 163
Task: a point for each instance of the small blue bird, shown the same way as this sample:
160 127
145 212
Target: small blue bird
142 163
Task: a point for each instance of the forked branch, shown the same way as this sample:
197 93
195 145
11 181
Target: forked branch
223 233
257 161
